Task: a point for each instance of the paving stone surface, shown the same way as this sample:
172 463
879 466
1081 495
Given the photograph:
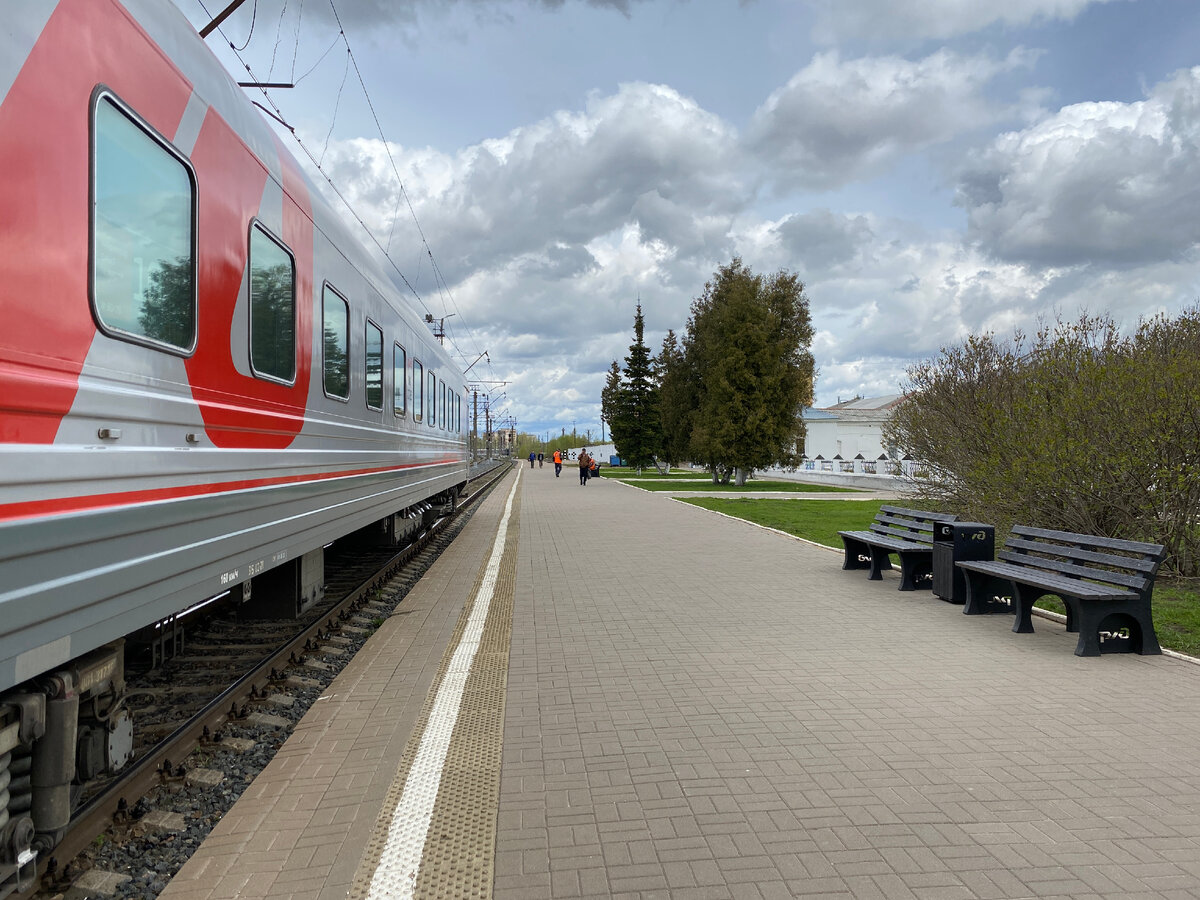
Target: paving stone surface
700 708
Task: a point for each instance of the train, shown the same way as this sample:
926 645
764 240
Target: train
206 378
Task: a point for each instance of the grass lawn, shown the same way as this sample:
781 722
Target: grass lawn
1175 605
814 520
793 487
631 474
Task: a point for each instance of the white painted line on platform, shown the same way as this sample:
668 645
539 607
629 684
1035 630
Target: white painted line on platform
400 861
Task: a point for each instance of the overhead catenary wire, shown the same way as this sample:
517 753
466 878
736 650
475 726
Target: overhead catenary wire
438 277
440 281
253 19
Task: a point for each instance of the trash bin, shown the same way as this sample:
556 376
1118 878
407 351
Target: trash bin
954 541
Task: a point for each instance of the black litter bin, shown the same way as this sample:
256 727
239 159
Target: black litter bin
954 541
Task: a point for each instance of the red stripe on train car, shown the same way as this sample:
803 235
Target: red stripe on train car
63 505
46 325
241 411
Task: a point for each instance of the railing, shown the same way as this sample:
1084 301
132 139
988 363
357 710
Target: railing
904 467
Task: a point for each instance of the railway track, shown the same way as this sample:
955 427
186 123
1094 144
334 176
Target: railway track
272 666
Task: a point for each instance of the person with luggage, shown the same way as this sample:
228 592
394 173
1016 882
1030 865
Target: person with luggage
585 466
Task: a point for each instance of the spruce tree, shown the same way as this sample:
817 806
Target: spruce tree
676 399
612 407
643 439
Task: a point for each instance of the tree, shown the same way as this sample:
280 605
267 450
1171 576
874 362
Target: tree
639 425
748 349
612 406
676 398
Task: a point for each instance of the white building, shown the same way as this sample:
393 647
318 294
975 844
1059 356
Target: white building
602 453
850 430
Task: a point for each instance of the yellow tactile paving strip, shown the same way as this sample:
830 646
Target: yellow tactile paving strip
300 829
459 851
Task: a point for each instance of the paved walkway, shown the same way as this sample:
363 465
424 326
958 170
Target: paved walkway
699 708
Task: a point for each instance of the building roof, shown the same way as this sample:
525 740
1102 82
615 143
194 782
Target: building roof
811 413
868 409
886 402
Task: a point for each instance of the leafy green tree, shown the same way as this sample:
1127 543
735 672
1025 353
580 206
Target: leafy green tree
748 347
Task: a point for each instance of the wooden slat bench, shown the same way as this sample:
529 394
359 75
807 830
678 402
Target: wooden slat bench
1104 583
906 532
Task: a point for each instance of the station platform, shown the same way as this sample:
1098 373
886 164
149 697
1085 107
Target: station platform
601 692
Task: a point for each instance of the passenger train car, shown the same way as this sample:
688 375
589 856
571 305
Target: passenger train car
204 378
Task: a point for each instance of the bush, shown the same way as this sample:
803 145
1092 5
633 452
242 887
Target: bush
1081 429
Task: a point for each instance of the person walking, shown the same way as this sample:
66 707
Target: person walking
532 457
557 463
541 456
585 466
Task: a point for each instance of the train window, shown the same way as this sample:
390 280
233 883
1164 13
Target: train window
374 361
441 404
337 343
431 399
272 307
418 391
143 276
399 379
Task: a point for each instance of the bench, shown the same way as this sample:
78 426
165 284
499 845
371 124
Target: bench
1104 583
906 532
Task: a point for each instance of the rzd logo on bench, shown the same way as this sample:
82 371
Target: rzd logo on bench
1121 634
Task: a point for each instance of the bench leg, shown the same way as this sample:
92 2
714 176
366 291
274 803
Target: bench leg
1072 606
982 591
916 571
1125 627
858 554
880 563
1023 599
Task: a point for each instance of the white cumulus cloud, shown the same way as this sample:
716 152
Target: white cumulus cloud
1104 183
839 120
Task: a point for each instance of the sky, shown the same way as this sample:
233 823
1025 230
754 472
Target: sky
931 169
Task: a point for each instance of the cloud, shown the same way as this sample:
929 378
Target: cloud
840 120
373 14
645 154
820 240
549 234
920 19
1106 183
